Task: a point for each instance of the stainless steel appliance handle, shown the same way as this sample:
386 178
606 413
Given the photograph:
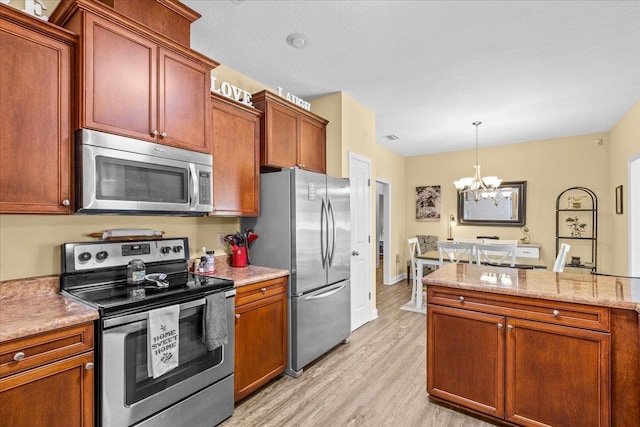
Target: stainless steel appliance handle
323 252
194 188
145 314
326 294
333 234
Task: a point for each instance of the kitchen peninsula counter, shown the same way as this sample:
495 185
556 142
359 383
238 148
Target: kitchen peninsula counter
604 291
35 305
528 347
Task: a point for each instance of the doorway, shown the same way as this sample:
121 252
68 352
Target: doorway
383 228
634 213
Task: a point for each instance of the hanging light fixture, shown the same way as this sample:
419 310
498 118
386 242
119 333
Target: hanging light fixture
478 187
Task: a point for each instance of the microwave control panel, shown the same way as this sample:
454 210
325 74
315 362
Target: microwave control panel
204 184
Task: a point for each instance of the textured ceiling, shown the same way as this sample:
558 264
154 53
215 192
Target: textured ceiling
528 70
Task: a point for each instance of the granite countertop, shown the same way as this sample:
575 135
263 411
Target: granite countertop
243 276
33 306
606 291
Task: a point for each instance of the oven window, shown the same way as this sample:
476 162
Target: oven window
193 356
140 182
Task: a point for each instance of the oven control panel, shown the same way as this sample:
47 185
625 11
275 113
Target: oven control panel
86 256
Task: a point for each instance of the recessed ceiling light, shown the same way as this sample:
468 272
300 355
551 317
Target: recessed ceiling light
392 137
299 41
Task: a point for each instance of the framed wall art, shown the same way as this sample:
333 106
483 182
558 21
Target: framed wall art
428 203
619 199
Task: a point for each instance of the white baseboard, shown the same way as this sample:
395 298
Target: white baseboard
398 278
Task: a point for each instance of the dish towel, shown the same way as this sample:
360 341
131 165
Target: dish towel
214 327
162 344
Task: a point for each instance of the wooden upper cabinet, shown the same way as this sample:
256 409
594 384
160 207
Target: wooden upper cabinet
290 136
312 147
120 70
184 104
236 157
136 83
35 115
280 136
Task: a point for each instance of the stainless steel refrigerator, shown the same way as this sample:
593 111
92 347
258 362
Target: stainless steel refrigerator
304 227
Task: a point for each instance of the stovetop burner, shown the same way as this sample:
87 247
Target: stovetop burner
120 296
103 285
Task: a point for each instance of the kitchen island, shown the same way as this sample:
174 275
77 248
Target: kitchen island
529 347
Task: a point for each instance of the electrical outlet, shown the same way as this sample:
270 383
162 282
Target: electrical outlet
220 239
397 257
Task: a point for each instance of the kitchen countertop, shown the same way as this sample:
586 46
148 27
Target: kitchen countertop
33 306
243 276
606 291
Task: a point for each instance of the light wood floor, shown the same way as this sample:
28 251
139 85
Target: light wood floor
377 379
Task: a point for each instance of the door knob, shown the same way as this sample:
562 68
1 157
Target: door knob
355 253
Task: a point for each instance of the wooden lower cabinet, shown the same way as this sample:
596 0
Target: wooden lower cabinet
47 380
523 371
261 334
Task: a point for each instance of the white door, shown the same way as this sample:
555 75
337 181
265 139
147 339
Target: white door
361 284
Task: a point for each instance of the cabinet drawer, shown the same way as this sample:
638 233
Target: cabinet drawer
44 348
257 291
527 252
557 312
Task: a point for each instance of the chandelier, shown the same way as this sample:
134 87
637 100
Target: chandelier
478 187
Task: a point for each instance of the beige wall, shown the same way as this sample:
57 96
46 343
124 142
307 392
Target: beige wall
625 144
390 166
330 108
548 166
30 244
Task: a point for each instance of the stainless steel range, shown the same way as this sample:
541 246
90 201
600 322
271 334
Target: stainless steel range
199 391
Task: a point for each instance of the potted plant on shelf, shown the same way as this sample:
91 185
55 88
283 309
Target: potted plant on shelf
577 228
525 235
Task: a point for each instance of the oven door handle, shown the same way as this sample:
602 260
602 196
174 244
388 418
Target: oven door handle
117 321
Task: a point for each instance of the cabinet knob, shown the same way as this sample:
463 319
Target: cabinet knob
18 356
461 298
88 366
163 134
155 132
556 313
263 290
509 327
66 202
500 325
237 316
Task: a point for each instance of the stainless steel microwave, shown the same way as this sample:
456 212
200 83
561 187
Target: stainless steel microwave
116 174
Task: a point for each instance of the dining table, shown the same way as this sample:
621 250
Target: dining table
432 258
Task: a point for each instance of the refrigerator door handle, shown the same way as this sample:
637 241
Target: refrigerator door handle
331 251
323 251
326 294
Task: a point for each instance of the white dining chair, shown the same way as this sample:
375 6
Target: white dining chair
414 250
561 259
455 252
496 254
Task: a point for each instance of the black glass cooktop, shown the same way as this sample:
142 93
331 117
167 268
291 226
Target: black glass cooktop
120 296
